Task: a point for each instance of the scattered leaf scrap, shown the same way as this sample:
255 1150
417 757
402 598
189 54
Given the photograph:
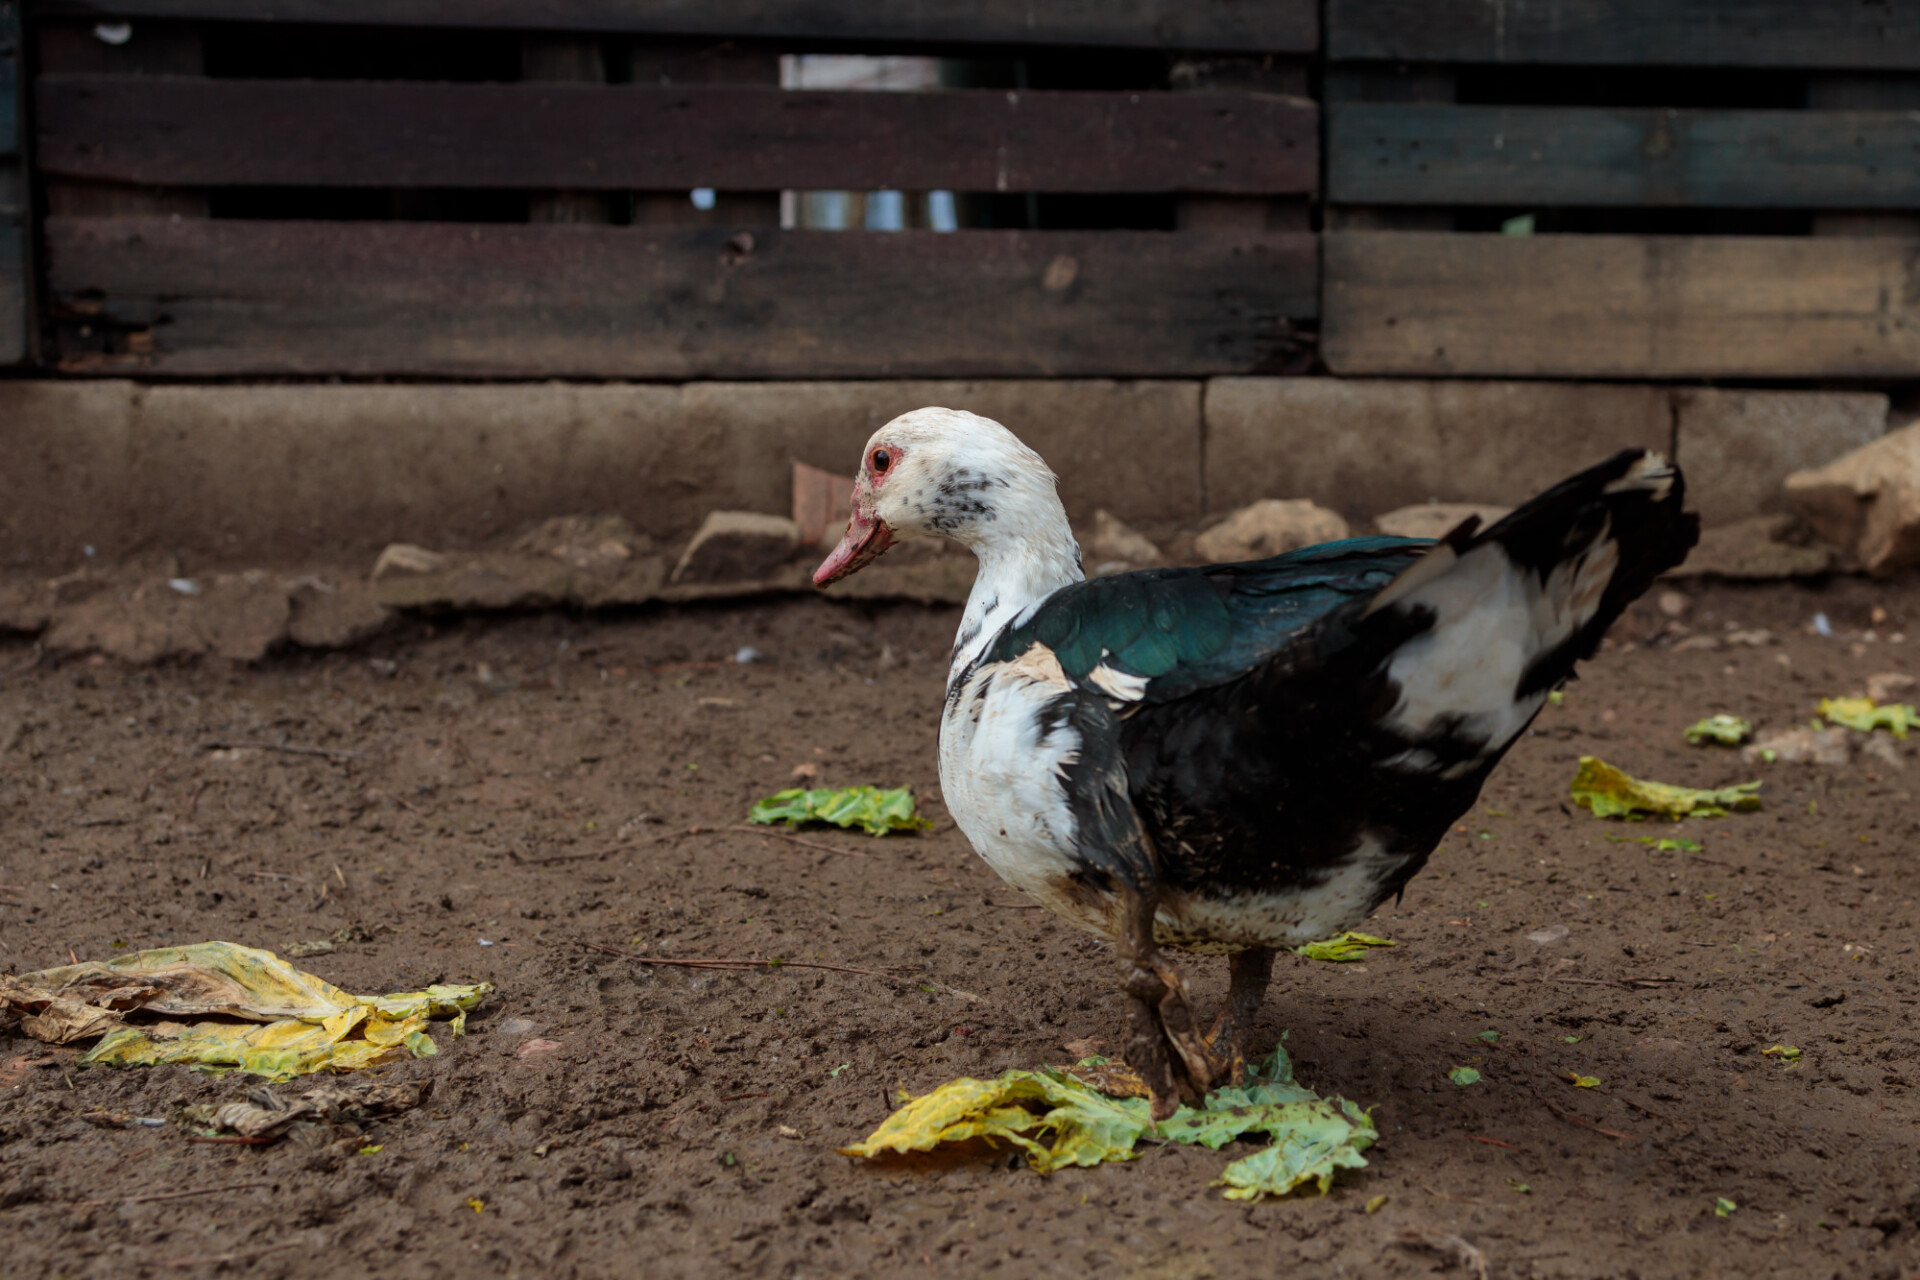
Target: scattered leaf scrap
1464 1076
872 810
1058 1120
1862 714
292 1022
1609 793
1723 1207
1729 731
1342 948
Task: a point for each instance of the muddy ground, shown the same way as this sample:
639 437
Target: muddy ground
683 1121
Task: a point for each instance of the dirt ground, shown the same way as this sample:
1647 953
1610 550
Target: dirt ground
683 1122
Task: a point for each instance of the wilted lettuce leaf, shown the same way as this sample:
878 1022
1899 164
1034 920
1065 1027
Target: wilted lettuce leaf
1058 1120
1612 794
1317 1139
1862 714
1727 730
875 811
1343 947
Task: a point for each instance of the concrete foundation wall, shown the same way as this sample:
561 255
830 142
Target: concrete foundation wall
278 474
283 474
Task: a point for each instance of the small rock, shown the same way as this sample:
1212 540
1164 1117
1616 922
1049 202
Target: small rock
736 546
1883 749
402 558
329 616
1551 934
1116 546
1801 746
585 542
1673 604
1269 527
1763 548
1867 502
1890 686
1435 519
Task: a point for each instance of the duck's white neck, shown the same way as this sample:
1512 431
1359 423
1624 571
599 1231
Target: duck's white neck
1026 553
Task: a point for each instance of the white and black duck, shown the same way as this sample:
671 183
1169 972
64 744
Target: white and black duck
1242 757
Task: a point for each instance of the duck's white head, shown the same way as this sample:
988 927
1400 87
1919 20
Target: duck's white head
958 475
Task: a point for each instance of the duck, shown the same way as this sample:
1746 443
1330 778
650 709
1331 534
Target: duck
1238 759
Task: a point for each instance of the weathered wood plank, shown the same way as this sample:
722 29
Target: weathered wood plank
1716 33
206 132
1620 306
1409 153
231 297
1268 26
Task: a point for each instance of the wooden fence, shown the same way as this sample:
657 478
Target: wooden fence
497 188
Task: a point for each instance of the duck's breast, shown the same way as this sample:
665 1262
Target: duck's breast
1005 745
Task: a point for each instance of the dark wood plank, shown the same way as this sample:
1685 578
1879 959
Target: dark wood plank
13 291
1406 153
1707 33
1268 26
229 297
187 131
1620 306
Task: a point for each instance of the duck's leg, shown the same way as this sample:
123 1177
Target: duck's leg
1163 1046
1250 972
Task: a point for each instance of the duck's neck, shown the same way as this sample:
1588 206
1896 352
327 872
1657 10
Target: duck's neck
1026 554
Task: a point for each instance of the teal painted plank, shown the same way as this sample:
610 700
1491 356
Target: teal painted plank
1411 153
1835 34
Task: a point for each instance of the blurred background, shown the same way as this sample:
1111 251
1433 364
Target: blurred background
286 279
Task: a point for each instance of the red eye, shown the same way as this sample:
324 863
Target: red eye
881 461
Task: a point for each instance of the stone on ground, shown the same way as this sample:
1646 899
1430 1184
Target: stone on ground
1867 502
1435 519
1114 546
737 546
1269 527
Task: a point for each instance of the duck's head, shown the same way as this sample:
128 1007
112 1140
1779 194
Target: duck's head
945 472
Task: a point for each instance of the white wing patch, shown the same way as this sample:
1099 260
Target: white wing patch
1121 686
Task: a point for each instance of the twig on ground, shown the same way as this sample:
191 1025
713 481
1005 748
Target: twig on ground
730 964
1492 1142
238 1255
1570 1118
1451 1247
177 1195
286 748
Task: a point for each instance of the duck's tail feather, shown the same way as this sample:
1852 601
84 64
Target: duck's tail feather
1493 619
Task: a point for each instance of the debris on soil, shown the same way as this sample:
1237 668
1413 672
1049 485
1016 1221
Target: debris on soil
1436 519
1867 502
1450 1247
1060 1121
1885 686
732 546
1464 1076
873 810
326 1113
1805 745
1115 546
1268 528
308 1024
1723 1207
1609 793
1726 730
1862 714
1342 948
1760 549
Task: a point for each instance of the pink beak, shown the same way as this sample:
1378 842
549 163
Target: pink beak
866 538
